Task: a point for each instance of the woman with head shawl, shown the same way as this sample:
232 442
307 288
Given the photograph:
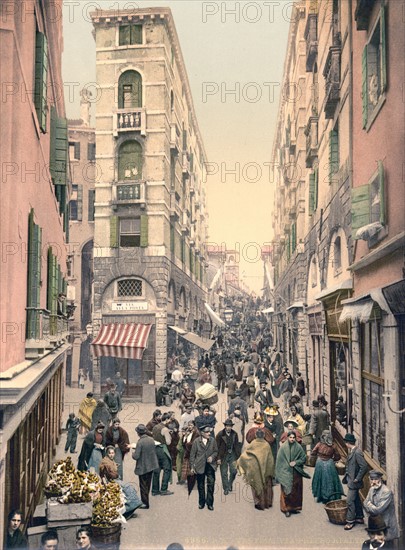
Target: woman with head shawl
289 473
256 465
85 413
326 484
108 467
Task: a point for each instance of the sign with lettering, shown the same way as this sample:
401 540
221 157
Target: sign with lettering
129 306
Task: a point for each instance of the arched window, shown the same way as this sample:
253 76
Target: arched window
130 90
130 161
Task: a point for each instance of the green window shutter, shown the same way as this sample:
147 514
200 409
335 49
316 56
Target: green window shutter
360 208
66 219
91 200
382 192
124 35
311 193
287 248
383 51
184 140
80 203
293 237
144 230
172 239
316 174
114 225
58 161
49 280
364 91
130 161
136 34
60 192
91 151
41 78
34 277
333 154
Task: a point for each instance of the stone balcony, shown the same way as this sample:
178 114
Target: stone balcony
130 120
311 37
133 192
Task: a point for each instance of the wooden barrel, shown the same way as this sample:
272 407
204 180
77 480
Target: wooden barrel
107 537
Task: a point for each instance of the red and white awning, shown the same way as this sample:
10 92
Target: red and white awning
127 341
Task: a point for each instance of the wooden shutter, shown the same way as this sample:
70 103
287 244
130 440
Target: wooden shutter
52 282
383 51
41 78
293 237
66 220
172 239
382 192
287 247
360 208
136 34
91 151
144 230
124 35
316 174
311 193
60 192
91 199
79 203
114 226
130 161
59 149
34 276
364 91
333 154
77 150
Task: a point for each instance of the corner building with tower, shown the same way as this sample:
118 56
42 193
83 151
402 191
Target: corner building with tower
150 218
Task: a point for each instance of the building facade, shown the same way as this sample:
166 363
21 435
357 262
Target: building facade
82 150
349 305
150 219
34 226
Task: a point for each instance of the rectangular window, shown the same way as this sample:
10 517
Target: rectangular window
73 210
374 70
91 200
130 35
130 232
368 205
74 150
91 151
41 78
334 160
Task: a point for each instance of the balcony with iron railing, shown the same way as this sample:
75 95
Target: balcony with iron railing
331 74
131 119
311 37
133 192
311 133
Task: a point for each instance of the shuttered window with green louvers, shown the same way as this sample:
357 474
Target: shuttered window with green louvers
368 202
91 200
313 192
293 237
58 161
130 35
130 161
333 155
41 78
34 278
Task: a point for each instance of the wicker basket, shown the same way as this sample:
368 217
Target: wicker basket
107 536
336 510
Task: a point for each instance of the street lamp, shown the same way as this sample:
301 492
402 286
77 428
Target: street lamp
228 314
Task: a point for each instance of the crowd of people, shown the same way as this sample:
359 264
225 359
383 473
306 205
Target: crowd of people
268 436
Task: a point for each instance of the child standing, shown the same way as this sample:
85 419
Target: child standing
72 426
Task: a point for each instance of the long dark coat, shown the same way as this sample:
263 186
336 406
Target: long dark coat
200 453
145 455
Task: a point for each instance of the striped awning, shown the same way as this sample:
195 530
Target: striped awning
127 341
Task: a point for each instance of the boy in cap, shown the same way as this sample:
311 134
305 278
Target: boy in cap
380 502
228 454
356 468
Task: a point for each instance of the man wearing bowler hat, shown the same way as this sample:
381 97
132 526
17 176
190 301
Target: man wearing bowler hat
380 502
377 532
203 463
356 469
228 454
146 462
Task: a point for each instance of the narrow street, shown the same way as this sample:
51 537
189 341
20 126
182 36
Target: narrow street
234 522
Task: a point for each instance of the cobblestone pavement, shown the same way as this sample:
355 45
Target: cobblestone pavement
234 521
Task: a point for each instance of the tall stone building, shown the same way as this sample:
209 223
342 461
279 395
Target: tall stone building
150 225
348 288
82 151
34 230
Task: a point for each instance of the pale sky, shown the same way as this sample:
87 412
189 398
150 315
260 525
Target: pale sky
227 46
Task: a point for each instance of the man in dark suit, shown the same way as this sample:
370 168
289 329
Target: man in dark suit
237 401
356 469
146 462
228 454
203 463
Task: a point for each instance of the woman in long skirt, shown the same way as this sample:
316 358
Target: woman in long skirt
289 473
326 485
